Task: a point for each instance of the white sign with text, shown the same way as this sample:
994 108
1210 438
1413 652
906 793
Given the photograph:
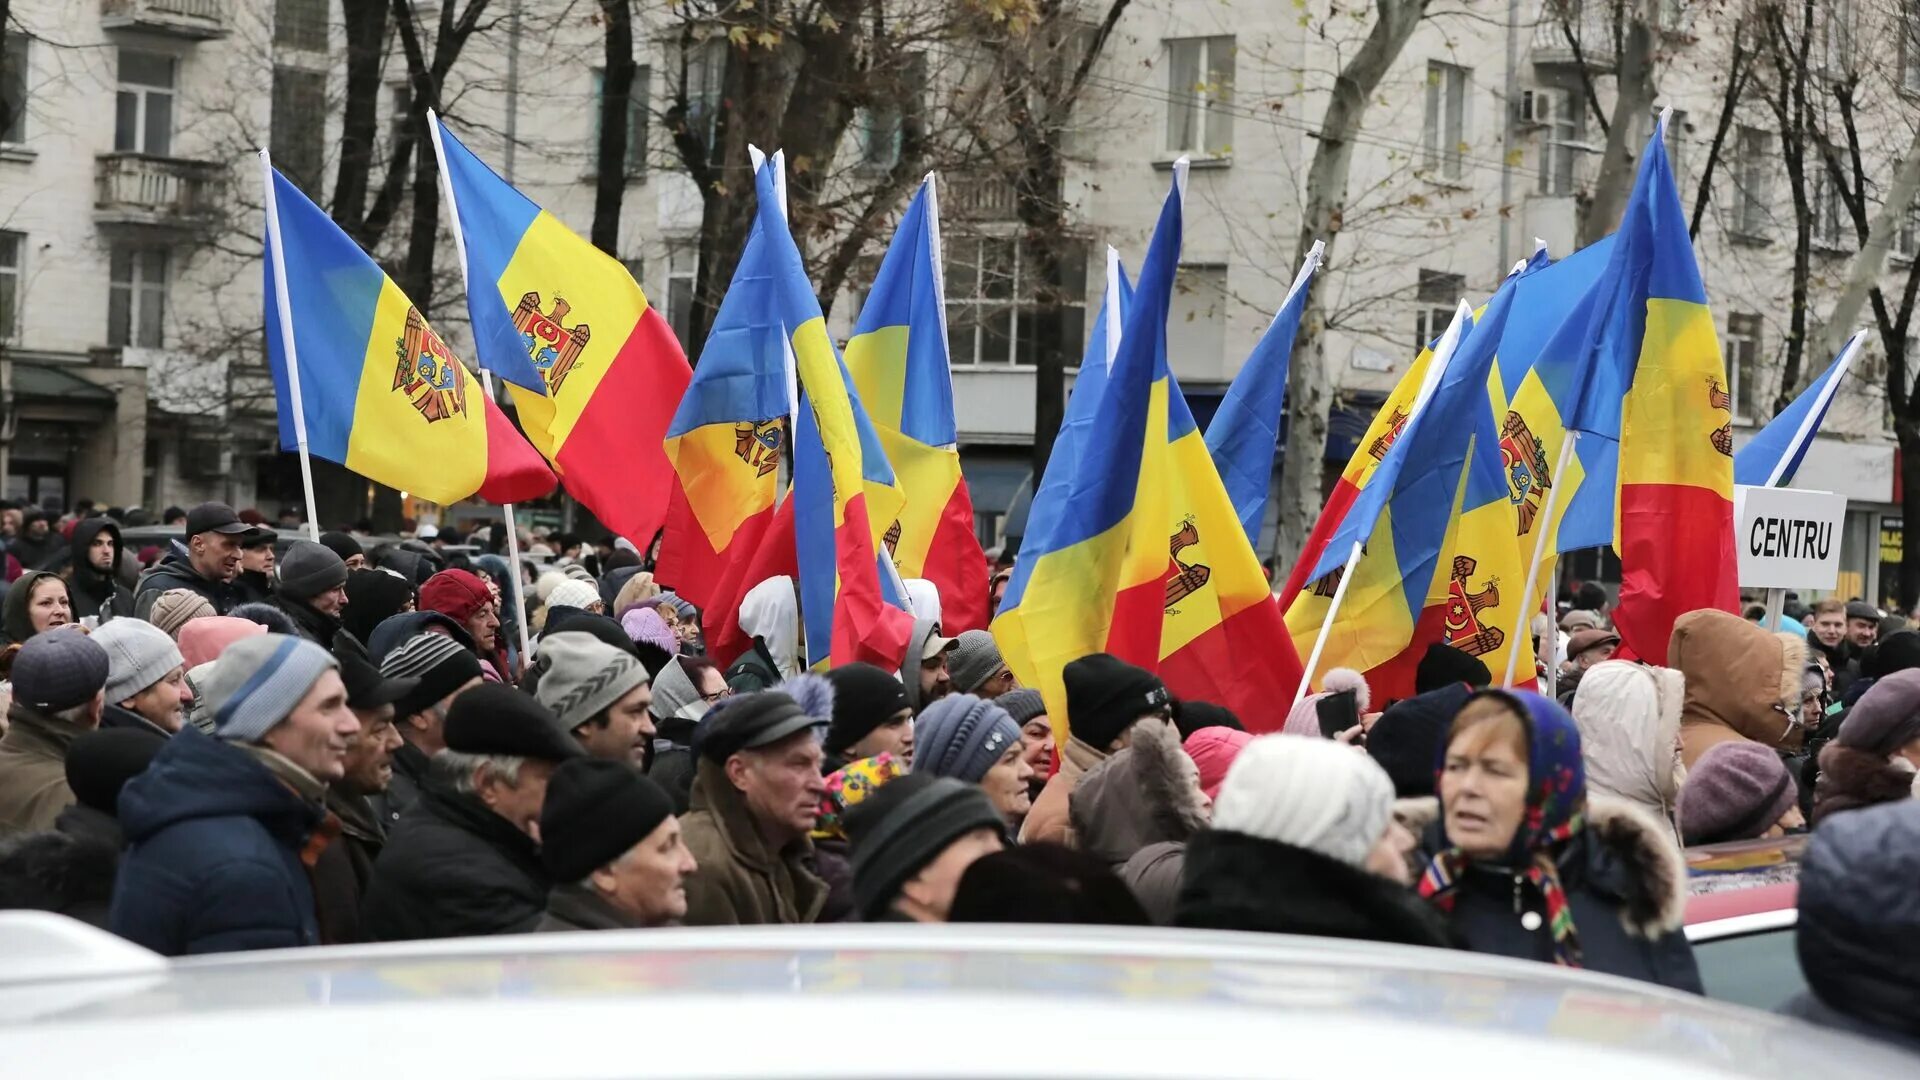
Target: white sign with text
1788 538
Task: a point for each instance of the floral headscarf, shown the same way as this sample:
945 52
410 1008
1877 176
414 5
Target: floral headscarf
849 787
1556 811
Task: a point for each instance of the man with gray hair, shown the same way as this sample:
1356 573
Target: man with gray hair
465 860
223 831
440 668
57 679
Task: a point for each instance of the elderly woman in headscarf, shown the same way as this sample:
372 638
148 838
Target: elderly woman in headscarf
1525 864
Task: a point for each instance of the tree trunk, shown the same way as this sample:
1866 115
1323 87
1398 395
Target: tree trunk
1633 99
1307 388
1864 274
616 104
426 77
366 27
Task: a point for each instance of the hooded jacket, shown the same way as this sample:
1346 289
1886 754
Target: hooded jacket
454 868
1858 934
176 572
1233 881
33 554
677 708
69 872
310 622
740 882
1629 719
1136 811
923 628
1625 882
218 855
770 617
96 594
15 616
33 770
1741 683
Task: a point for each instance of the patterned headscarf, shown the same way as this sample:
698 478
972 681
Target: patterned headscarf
1556 811
850 786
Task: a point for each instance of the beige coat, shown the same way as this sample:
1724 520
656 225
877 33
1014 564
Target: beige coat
740 882
33 771
1048 822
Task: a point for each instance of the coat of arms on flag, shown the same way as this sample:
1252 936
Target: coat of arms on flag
1528 477
427 371
554 348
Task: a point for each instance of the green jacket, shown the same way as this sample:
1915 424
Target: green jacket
740 882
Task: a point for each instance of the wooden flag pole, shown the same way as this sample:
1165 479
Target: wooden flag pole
1545 521
1326 625
287 346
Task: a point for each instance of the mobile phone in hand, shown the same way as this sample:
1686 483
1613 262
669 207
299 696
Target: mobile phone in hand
1338 712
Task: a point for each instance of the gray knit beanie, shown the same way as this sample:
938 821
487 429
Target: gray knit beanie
1023 704
580 676
962 736
1311 793
139 654
973 661
309 569
258 681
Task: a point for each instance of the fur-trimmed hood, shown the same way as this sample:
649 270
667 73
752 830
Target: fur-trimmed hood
1624 854
1850 779
1741 682
1145 794
1629 720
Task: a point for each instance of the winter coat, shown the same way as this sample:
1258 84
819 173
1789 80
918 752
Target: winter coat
1136 811
1626 885
219 855
754 670
341 874
923 628
1629 719
68 869
1844 659
253 587
1233 881
119 716
176 572
1858 933
1850 779
740 882
1047 820
95 594
310 622
833 864
577 907
34 554
403 787
672 765
1739 679
33 770
15 619
454 868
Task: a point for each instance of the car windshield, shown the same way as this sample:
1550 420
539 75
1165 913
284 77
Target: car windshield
1758 969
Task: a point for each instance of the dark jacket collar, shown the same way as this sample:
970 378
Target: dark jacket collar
312 623
118 716
411 762
356 815
584 909
36 732
712 793
1232 881
468 814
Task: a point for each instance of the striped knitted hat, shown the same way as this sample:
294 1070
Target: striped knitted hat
258 681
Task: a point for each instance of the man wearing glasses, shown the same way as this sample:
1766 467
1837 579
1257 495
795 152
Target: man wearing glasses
976 668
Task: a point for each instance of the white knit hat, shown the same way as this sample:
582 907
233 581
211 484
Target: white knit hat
1311 793
571 593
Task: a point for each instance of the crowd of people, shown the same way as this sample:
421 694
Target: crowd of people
247 741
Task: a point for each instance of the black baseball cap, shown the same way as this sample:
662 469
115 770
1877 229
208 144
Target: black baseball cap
217 518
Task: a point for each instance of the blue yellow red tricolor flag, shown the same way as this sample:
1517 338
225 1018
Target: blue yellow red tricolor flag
1244 434
1774 453
1092 567
843 485
898 357
594 369
378 391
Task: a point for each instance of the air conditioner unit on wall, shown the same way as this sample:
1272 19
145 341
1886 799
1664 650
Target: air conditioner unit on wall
1538 107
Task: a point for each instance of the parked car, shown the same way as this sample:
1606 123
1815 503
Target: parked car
912 1001
1740 919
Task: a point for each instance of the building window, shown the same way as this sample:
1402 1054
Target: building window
1827 213
994 315
704 64
1197 320
1836 36
682 263
399 115
882 128
297 142
137 296
1563 124
1906 237
1446 131
636 164
1743 359
13 252
143 108
1910 46
1439 296
13 89
1200 95
1753 182
300 24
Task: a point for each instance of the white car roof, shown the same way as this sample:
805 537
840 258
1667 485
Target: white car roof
867 1001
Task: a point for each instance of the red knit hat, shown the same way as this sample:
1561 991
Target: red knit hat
457 594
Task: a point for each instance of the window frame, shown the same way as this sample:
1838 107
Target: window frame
1752 181
1562 141
145 298
976 312
1437 297
1908 18
1448 113
704 100
682 278
306 166
307 30
19 47
639 102
143 96
1207 99
13 279
1745 336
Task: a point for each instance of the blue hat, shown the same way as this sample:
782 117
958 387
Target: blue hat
962 736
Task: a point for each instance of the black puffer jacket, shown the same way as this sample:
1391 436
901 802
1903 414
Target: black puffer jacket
1858 934
1233 881
96 594
1625 882
314 625
454 868
177 572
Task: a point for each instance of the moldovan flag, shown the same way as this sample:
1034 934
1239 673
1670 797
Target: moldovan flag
1774 453
595 371
1655 338
379 392
1244 434
842 483
724 446
898 357
1091 572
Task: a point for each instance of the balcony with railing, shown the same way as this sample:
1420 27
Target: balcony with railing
1579 33
195 20
158 192
979 196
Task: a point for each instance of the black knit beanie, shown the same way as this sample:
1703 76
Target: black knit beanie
864 697
595 811
906 825
1105 695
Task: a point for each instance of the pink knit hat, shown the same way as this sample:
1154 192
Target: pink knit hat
205 638
1213 750
1304 717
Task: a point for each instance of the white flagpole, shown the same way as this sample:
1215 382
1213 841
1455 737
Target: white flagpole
1545 522
287 346
1326 625
486 381
1810 423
